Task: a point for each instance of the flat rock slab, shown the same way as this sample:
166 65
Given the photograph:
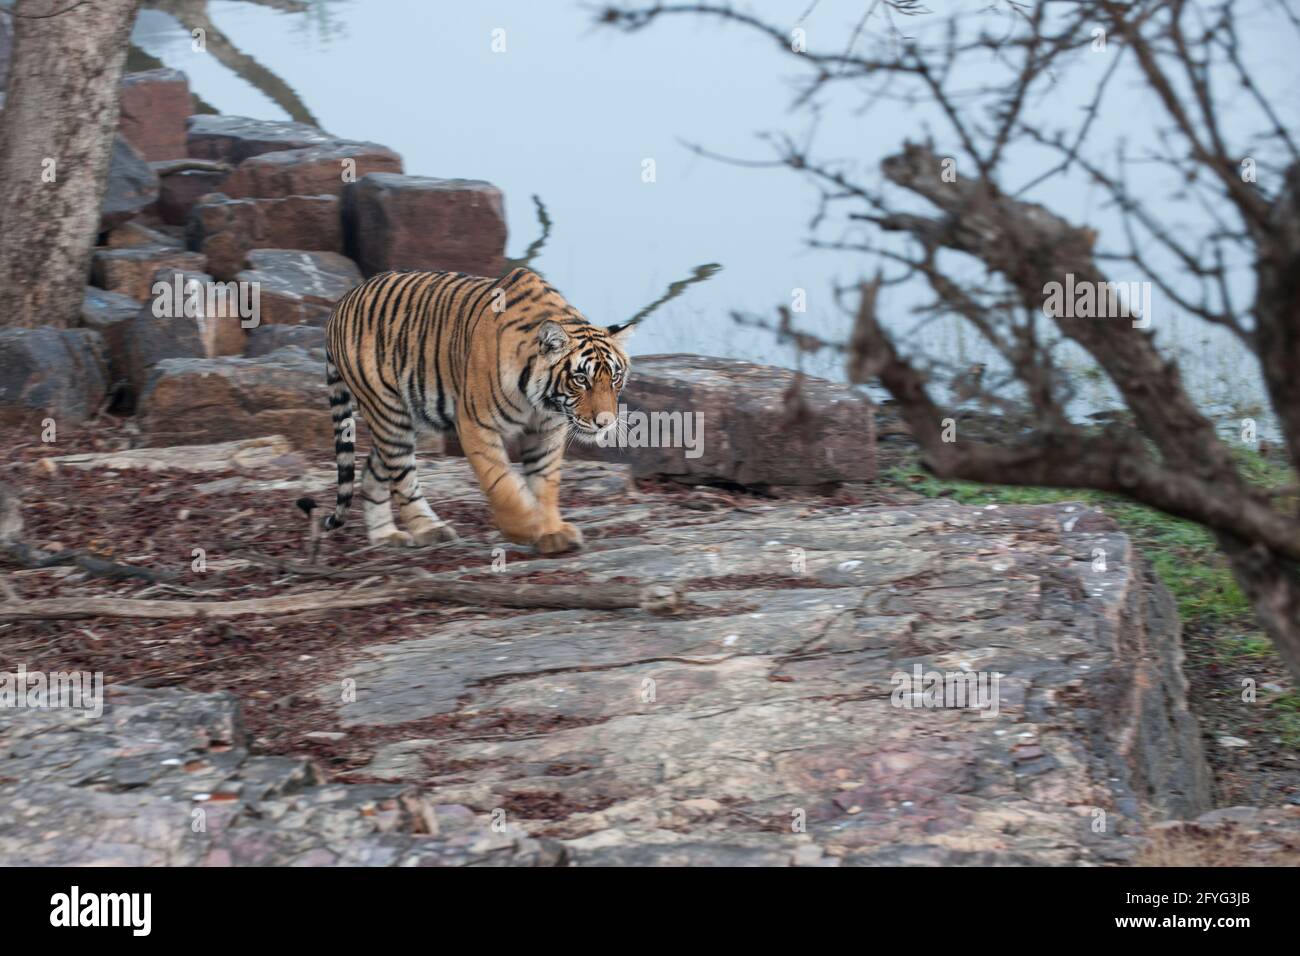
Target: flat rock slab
771 719
783 718
165 778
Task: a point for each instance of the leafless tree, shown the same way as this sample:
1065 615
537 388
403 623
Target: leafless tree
56 134
1238 167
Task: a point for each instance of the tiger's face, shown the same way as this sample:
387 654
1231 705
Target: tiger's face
590 369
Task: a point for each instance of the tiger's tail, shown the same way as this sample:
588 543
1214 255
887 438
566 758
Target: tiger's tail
345 435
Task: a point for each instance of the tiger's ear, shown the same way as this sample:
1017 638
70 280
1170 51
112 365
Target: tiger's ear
620 333
551 338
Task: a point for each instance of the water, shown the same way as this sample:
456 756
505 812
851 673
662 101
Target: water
571 113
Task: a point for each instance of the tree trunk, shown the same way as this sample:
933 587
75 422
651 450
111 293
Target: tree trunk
56 135
1272 584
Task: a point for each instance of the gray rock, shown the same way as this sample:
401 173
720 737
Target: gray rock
165 778
149 339
233 139
44 371
266 339
709 420
399 222
132 185
110 314
299 287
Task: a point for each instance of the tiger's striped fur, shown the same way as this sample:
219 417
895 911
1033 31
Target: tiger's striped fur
494 359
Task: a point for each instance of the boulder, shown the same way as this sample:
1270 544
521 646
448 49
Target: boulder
417 222
266 339
49 372
233 139
313 171
221 399
130 270
216 308
155 105
705 420
226 229
179 191
110 314
136 233
299 288
149 339
132 186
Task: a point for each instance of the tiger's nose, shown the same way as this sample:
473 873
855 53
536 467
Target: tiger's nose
604 419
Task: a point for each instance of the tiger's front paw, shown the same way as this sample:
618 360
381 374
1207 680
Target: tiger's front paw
434 533
393 539
564 538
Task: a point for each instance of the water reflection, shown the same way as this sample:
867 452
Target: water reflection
193 16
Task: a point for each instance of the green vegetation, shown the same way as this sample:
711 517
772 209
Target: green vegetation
1184 556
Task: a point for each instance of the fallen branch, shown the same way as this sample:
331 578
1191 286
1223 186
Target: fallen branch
35 559
608 597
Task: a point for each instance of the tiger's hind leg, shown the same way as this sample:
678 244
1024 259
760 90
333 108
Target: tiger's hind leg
413 510
376 502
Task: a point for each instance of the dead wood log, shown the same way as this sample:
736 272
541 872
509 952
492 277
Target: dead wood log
607 597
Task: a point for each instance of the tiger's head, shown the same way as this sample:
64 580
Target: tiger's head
588 368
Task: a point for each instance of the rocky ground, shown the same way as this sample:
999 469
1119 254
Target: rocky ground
756 724
745 712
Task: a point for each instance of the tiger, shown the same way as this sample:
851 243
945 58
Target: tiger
495 361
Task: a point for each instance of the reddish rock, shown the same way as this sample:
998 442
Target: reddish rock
130 270
155 105
225 229
205 400
180 191
299 288
314 171
744 428
233 139
136 233
417 222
